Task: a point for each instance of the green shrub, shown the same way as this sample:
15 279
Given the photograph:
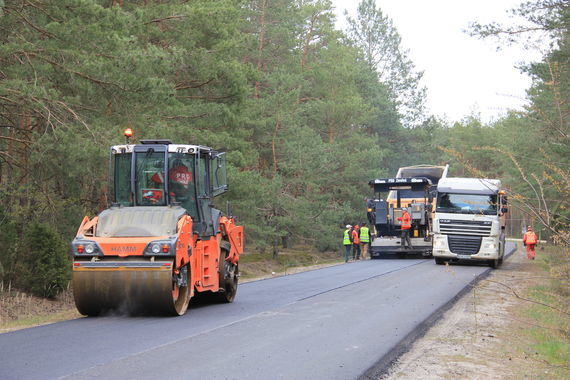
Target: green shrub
8 254
46 270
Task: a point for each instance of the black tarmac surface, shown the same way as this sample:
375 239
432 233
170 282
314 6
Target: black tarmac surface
333 323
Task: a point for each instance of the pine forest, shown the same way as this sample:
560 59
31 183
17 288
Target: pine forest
307 113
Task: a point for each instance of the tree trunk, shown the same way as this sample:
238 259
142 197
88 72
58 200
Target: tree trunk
275 247
307 43
260 44
273 145
285 241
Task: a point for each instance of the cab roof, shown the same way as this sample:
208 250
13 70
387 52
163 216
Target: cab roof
483 186
171 148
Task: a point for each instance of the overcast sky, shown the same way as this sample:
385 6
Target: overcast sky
463 75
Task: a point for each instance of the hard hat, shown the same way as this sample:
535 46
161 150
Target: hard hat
348 226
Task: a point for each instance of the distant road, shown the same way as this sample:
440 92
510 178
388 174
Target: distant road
331 323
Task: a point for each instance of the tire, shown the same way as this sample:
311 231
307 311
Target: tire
180 303
494 263
502 244
228 283
439 261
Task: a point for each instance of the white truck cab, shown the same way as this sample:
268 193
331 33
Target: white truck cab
469 221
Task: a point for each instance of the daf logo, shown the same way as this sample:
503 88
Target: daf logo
124 249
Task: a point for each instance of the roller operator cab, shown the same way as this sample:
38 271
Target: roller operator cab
469 221
161 240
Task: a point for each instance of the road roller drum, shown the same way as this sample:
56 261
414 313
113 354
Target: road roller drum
128 287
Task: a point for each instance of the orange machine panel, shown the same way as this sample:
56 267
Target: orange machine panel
205 256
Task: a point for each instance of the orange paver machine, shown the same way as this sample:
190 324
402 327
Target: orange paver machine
162 240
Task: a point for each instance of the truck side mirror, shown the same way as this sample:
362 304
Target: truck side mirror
504 210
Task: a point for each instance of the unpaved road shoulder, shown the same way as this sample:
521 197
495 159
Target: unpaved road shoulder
479 337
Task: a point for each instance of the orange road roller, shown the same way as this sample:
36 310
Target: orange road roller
162 240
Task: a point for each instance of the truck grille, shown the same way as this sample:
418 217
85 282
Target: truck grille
464 245
465 227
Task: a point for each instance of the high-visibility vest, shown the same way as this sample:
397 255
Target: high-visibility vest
530 238
346 240
355 239
364 235
406 220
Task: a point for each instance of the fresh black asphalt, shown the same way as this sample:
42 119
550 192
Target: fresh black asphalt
338 322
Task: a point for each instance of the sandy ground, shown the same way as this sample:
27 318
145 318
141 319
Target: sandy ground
479 337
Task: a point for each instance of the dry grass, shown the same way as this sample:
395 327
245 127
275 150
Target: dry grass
254 266
19 310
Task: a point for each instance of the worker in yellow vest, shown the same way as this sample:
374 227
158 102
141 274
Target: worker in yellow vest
529 241
364 239
347 242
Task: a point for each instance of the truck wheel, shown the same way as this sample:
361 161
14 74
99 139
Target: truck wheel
439 261
502 252
494 263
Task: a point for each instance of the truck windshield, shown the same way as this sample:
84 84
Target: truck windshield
467 203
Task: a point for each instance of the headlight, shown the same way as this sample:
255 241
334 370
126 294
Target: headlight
85 247
439 241
491 246
160 247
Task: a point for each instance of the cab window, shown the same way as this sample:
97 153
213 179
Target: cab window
181 182
150 179
121 179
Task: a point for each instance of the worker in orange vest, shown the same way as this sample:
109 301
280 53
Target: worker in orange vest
356 242
529 241
406 226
